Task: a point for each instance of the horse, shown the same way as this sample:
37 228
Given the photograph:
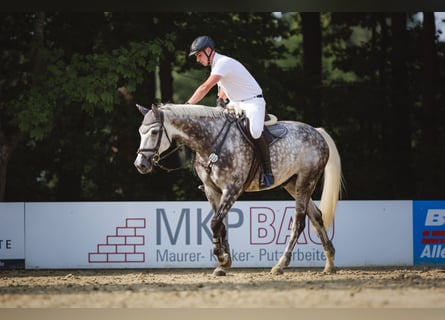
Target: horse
223 158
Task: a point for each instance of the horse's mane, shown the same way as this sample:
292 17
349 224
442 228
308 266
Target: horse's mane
193 110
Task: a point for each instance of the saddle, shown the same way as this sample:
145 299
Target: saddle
273 131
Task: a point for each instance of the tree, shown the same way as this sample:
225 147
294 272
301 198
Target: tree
22 64
68 126
429 141
80 82
375 102
312 71
398 142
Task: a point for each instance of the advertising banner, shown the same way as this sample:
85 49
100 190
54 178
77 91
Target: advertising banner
374 233
12 235
178 234
86 234
429 232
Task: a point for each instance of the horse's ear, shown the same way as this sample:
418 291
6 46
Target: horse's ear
142 109
155 109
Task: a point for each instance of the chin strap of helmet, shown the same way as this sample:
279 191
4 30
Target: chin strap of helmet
208 56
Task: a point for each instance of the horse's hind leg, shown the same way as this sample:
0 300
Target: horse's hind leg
315 216
298 225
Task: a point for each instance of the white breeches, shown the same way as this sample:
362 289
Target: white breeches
255 110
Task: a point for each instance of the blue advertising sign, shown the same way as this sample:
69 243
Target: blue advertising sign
429 232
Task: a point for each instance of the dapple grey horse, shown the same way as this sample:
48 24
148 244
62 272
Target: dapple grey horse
223 161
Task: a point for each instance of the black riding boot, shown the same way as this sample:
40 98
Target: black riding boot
262 146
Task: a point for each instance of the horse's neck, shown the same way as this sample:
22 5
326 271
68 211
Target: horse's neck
197 133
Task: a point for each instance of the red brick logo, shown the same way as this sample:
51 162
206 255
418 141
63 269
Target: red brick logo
122 247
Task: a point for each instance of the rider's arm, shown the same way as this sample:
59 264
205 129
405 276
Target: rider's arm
222 94
203 89
222 100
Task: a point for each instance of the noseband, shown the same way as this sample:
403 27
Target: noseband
156 156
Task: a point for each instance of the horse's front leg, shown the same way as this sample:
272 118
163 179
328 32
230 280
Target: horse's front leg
221 247
221 200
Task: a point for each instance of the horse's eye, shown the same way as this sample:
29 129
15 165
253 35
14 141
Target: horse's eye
154 132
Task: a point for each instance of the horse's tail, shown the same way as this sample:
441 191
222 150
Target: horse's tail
332 182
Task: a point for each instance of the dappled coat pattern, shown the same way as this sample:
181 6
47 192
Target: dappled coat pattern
298 159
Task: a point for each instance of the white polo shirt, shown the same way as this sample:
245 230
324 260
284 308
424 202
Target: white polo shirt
236 81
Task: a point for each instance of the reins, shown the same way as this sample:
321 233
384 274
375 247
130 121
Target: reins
159 158
227 123
156 156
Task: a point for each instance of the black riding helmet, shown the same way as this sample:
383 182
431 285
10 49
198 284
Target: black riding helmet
200 43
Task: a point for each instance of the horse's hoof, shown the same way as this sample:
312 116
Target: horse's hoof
329 271
219 272
226 261
277 270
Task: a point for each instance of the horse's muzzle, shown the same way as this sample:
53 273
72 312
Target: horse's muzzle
143 163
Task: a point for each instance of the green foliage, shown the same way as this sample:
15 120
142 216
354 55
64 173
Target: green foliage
89 81
80 136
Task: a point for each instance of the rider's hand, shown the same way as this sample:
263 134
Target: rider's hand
221 102
234 110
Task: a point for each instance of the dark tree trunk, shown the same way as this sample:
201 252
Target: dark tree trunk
311 28
8 142
72 154
166 77
429 156
10 136
429 57
399 162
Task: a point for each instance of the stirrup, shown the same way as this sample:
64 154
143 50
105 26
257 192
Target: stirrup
267 180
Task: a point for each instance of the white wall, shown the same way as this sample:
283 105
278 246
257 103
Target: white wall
12 232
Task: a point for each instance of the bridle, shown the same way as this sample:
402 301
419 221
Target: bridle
156 157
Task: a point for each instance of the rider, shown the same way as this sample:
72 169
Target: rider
237 86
